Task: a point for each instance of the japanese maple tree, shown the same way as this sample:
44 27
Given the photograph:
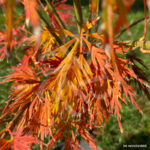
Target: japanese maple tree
68 83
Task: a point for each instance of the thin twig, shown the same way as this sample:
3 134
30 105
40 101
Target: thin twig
78 12
131 25
52 8
49 28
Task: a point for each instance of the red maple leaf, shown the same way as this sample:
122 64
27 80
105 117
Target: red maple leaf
17 41
23 142
18 141
65 17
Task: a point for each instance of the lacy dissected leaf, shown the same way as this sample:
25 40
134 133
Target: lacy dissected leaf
5 144
67 72
26 102
65 17
141 79
46 118
107 86
17 41
57 136
18 141
71 77
26 83
22 141
85 68
63 89
47 41
89 140
23 73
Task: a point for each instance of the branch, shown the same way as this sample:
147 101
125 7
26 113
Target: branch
78 12
131 25
55 14
49 28
11 125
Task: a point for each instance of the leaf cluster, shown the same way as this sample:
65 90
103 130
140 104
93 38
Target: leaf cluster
68 84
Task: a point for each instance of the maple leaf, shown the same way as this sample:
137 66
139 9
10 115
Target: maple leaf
17 41
57 136
23 142
5 144
112 85
26 99
63 15
68 87
18 141
26 81
89 140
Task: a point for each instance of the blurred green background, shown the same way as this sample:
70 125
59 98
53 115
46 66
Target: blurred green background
136 126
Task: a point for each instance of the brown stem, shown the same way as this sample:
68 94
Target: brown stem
49 28
78 12
52 8
131 25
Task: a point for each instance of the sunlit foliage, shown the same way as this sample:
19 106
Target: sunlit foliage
68 83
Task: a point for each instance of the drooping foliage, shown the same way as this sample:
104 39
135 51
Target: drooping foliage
68 83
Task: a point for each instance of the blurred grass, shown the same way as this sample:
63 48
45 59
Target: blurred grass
136 126
4 66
